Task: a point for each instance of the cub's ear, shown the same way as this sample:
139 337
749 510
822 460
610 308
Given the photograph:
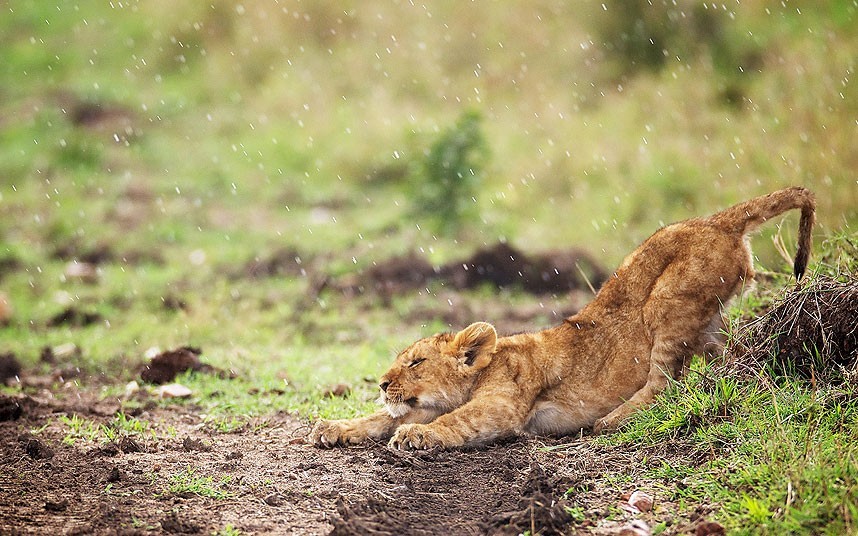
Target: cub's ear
475 345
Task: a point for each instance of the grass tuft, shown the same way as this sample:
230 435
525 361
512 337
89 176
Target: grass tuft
189 482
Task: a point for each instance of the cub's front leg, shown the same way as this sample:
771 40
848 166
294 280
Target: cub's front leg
475 423
378 426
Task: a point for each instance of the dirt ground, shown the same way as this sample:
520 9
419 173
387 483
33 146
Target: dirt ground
272 482
265 479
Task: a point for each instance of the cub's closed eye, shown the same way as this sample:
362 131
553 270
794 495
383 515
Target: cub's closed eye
416 362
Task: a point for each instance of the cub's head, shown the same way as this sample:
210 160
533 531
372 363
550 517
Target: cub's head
436 374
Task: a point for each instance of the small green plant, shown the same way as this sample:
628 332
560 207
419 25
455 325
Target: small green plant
227 425
138 523
228 530
576 513
40 429
189 482
79 429
756 509
447 180
129 425
86 430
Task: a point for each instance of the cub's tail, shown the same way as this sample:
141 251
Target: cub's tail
745 217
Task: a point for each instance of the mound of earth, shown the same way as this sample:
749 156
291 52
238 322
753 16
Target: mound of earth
504 266
10 367
164 367
500 266
811 332
284 262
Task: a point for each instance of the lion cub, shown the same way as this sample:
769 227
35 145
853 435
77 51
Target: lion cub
661 307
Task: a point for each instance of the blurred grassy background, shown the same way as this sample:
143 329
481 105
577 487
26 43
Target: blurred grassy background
190 138
180 146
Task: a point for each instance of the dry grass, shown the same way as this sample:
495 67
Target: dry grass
810 331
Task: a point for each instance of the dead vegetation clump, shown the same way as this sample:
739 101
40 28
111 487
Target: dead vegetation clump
810 332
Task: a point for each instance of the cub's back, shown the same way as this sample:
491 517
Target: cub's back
689 258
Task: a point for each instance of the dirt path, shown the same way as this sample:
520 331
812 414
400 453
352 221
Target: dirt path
265 479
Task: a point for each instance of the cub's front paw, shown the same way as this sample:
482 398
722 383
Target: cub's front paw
417 437
328 434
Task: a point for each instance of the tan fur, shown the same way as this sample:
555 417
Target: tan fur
661 307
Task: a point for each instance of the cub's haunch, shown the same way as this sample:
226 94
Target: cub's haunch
661 307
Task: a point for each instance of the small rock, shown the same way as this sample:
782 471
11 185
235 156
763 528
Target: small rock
128 445
275 499
635 528
190 444
641 500
131 388
709 528
37 450
234 455
173 390
65 351
84 272
57 506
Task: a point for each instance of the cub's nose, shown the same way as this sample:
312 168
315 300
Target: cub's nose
384 385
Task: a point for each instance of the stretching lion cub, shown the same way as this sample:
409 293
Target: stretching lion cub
661 307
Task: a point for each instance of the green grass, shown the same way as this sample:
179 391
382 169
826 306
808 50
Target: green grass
189 482
784 454
82 429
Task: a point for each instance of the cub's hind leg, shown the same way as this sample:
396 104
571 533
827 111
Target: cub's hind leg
680 312
666 362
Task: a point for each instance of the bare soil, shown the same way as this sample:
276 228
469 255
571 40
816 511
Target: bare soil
500 265
268 480
265 479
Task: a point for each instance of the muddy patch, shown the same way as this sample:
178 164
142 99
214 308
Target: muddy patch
10 409
504 266
164 367
281 263
8 264
104 253
74 251
10 367
74 317
501 266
